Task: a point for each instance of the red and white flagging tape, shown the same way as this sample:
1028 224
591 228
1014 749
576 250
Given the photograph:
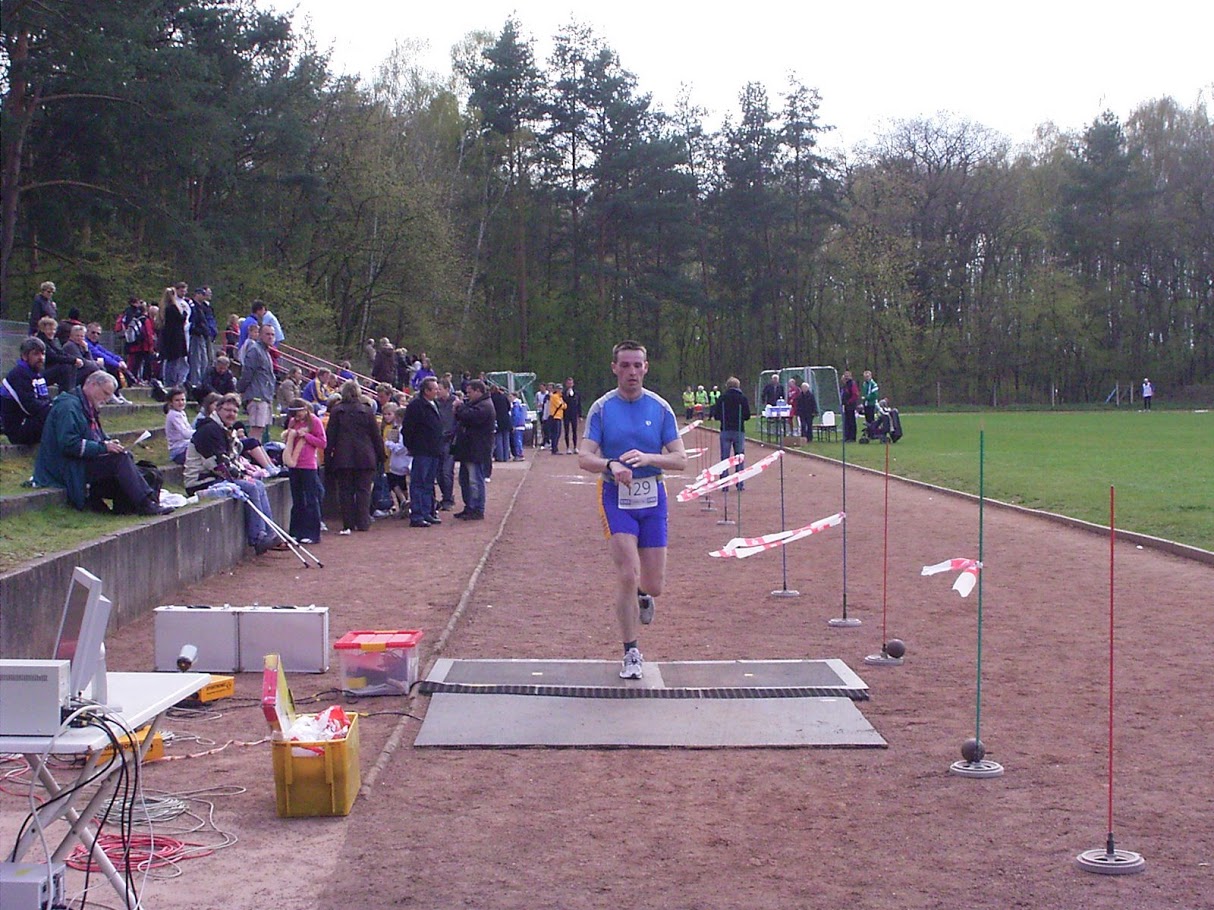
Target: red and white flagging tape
712 472
741 547
969 569
694 492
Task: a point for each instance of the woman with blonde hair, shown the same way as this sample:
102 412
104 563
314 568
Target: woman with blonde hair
174 344
61 365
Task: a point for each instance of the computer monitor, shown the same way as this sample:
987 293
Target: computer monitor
81 639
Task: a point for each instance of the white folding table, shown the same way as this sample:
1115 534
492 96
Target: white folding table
142 699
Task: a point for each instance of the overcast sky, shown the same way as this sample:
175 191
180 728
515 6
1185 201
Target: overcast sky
1007 66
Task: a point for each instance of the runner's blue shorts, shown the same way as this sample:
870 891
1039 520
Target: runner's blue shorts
648 526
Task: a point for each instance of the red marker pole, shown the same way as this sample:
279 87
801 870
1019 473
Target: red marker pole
1109 860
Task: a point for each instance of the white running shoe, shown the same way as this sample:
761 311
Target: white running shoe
344 532
633 665
645 602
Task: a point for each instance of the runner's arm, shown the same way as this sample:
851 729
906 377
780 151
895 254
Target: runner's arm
591 459
673 457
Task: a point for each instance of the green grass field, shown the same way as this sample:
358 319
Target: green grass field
1161 464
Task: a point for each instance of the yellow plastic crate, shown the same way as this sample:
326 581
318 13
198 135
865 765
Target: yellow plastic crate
322 784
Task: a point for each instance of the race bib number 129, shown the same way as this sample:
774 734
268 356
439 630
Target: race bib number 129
642 493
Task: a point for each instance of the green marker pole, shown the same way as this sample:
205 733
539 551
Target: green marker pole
974 762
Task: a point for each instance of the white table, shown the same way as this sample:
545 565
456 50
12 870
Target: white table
143 699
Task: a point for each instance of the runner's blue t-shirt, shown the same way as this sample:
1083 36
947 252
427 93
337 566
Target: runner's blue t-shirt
617 425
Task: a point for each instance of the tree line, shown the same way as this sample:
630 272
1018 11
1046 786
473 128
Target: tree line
524 214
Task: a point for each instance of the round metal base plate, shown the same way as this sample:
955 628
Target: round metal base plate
785 592
881 659
1119 862
984 768
840 623
726 521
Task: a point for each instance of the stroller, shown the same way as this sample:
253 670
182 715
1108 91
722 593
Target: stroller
886 425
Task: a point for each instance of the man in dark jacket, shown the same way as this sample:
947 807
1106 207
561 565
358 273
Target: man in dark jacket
219 378
24 400
446 464
422 431
732 409
77 454
203 329
214 454
771 391
806 410
573 414
501 411
476 424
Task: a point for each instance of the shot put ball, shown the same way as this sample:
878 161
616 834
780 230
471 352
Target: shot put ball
895 647
973 750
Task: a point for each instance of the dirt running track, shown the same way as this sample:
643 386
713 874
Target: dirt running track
747 828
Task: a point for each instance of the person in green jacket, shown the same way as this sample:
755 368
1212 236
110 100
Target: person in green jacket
689 402
869 390
76 454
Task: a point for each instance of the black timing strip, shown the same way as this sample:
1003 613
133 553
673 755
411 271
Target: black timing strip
429 687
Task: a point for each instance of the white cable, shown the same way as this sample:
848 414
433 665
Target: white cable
65 793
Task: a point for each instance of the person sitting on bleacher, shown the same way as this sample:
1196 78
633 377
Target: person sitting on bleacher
60 367
105 358
215 454
177 429
219 378
316 389
24 399
72 336
76 454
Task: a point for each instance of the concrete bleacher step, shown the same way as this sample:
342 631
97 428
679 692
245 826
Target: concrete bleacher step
126 437
152 410
141 394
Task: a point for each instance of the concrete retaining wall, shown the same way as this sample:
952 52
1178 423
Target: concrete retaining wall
140 565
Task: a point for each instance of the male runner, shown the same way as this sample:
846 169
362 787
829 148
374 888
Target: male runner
631 437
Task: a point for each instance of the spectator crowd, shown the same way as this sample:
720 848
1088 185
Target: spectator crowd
388 444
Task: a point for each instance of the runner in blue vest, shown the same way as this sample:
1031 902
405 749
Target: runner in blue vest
631 438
